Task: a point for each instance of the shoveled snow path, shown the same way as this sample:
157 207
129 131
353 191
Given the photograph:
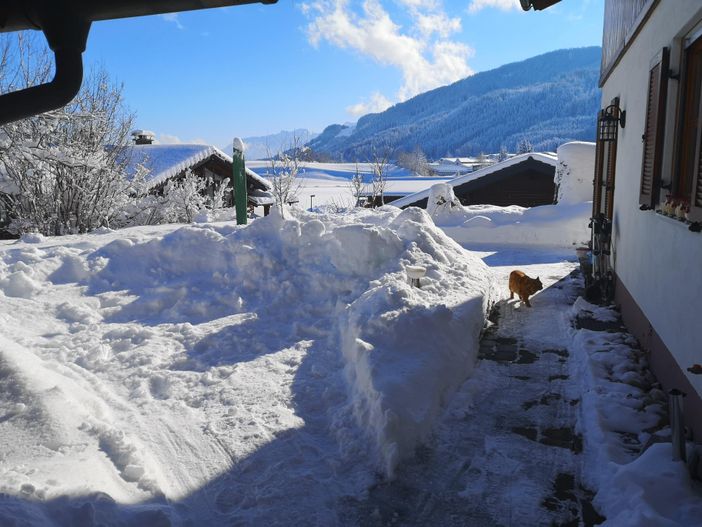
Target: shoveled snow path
506 452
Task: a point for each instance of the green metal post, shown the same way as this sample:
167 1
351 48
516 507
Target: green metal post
240 197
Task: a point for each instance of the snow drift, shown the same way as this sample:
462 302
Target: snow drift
561 225
214 371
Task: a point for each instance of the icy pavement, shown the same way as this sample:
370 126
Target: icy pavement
507 451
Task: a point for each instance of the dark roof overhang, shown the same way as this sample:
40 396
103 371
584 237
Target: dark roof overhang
538 5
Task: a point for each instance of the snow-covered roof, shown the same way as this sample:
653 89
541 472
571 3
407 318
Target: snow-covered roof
260 197
167 161
444 167
549 159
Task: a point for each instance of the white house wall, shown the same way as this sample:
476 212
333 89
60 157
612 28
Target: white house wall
658 259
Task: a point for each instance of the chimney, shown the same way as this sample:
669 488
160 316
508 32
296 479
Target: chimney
143 137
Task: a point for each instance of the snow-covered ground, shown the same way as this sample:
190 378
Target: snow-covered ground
550 427
623 413
561 225
286 373
328 183
213 373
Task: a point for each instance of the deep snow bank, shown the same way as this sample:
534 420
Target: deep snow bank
561 225
256 373
405 348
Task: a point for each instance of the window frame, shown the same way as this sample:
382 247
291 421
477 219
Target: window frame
679 188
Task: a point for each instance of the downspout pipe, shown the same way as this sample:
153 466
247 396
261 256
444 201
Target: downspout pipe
67 39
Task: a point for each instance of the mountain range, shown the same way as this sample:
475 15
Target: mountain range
548 100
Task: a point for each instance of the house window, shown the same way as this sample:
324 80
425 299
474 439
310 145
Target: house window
684 185
689 118
651 164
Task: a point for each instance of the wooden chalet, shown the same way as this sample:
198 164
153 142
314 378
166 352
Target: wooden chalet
169 162
526 180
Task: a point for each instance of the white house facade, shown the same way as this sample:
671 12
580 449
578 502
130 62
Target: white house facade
651 185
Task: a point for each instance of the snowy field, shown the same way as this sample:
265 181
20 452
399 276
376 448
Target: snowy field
328 183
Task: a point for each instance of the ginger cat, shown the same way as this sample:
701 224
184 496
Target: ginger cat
523 285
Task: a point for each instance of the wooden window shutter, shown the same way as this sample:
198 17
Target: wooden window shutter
610 169
599 169
695 214
653 131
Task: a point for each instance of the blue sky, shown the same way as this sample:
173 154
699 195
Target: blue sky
209 75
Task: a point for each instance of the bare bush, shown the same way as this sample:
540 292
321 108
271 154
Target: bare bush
380 164
357 187
285 168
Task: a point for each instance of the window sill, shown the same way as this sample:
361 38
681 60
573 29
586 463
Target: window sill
692 226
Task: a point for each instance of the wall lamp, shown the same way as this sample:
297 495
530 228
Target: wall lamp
609 117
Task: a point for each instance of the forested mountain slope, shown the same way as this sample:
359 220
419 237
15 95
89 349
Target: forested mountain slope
548 99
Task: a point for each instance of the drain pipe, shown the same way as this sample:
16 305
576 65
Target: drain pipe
675 408
66 36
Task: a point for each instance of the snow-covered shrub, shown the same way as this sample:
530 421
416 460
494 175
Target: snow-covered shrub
183 198
524 146
416 161
61 177
284 169
219 191
442 201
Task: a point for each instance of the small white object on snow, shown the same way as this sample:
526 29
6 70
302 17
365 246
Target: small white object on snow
238 145
416 271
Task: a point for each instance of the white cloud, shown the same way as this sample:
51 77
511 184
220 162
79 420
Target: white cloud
423 51
173 17
377 102
168 139
503 5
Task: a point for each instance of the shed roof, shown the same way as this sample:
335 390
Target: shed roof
548 159
167 161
